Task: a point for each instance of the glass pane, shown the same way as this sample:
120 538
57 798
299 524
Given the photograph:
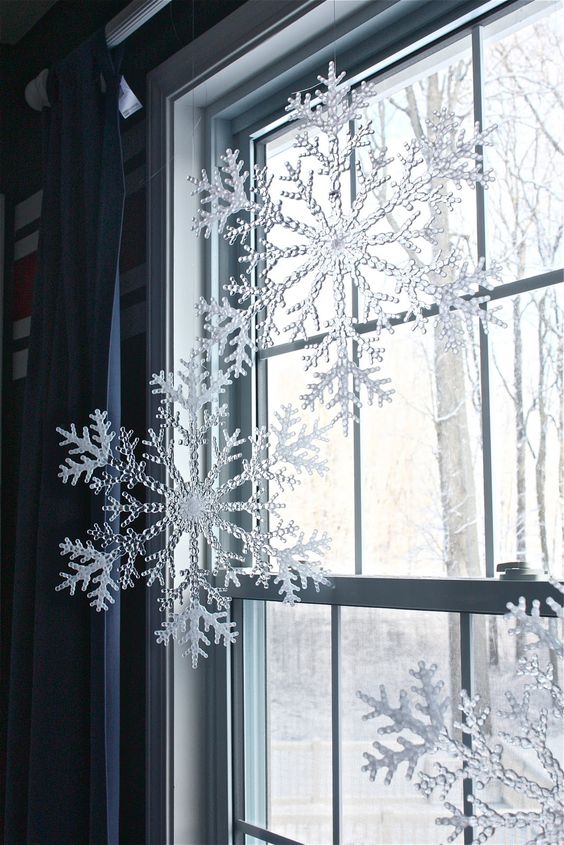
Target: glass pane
381 647
399 113
422 491
524 79
526 374
497 652
299 722
318 503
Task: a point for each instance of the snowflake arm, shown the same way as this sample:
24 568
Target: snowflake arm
93 446
526 623
449 154
340 385
198 388
295 445
189 627
224 194
92 567
540 679
299 563
332 108
459 297
457 820
229 329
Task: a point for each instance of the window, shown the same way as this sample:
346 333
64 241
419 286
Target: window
457 474
428 495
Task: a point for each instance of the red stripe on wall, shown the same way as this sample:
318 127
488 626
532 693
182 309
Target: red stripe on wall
132 254
24 275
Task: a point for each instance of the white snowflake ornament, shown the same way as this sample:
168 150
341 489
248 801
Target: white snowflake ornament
480 757
309 239
230 504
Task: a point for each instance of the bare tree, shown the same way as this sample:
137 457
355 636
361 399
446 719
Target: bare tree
460 550
527 236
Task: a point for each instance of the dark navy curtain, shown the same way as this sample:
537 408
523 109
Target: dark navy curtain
62 777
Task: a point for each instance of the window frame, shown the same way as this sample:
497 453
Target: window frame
218 699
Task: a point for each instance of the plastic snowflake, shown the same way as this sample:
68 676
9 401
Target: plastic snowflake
229 505
308 239
405 717
479 759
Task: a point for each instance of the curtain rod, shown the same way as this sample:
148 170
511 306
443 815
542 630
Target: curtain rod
124 24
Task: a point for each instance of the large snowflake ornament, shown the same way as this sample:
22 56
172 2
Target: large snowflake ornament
475 755
230 503
310 240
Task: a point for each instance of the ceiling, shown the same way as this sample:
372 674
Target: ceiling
18 16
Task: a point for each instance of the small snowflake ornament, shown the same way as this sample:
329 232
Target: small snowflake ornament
480 757
158 515
309 239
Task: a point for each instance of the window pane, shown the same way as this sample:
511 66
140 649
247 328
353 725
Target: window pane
496 664
526 373
523 96
405 101
318 503
422 492
380 647
299 722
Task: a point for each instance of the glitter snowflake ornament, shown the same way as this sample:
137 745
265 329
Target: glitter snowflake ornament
310 241
229 503
479 757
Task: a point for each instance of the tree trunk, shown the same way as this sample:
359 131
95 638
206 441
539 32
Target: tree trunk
540 463
493 641
559 330
458 489
461 548
540 466
520 436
